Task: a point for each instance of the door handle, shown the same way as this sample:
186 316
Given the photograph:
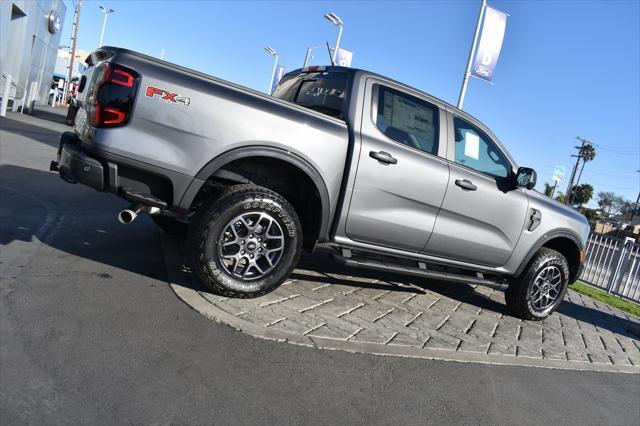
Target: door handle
466 184
383 157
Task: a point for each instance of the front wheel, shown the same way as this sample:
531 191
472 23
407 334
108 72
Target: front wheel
245 241
539 290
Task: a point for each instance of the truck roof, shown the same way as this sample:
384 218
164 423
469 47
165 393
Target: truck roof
348 70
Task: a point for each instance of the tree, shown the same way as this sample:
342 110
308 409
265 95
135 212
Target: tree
590 214
560 197
624 207
582 194
548 189
587 153
605 201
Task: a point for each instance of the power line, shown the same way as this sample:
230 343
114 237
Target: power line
623 147
617 149
615 175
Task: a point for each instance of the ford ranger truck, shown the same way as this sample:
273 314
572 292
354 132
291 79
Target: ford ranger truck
389 177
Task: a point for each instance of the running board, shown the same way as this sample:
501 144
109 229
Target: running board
418 272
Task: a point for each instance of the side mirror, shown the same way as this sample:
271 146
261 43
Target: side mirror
526 178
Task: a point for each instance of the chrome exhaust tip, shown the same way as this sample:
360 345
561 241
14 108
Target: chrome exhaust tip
127 216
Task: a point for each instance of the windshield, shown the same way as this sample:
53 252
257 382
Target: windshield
321 91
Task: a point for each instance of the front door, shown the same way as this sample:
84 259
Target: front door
402 176
483 215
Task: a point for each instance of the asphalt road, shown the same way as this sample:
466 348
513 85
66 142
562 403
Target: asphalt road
90 333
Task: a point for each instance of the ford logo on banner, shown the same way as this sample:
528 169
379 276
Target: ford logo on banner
483 71
490 44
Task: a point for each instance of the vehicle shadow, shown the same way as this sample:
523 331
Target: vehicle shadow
40 134
76 220
323 264
56 115
601 319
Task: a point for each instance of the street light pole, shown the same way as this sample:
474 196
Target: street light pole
273 53
335 20
467 72
72 51
104 22
307 57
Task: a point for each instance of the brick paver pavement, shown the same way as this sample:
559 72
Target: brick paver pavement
367 311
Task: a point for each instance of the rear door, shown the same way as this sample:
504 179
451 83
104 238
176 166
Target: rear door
483 214
402 176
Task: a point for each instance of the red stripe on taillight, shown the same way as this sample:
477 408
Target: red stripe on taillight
121 77
113 116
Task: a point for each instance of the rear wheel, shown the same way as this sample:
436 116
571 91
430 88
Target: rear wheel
244 242
541 287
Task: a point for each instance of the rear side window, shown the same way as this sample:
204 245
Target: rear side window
407 119
324 92
477 151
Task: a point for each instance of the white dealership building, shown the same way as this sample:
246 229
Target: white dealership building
30 33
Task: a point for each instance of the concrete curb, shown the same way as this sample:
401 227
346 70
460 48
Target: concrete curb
180 282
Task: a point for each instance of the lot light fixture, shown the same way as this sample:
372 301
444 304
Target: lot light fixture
273 53
104 22
335 20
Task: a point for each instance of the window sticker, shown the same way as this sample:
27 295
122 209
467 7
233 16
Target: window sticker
471 145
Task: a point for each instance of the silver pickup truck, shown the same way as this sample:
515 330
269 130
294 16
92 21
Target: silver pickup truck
389 177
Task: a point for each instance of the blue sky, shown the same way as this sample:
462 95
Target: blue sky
567 68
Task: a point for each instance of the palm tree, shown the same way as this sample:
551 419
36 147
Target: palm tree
582 194
587 153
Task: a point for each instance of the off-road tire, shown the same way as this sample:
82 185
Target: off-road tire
211 220
518 295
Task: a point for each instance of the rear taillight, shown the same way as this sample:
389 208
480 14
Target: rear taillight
112 95
121 77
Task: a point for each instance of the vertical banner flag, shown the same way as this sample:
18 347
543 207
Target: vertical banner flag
280 71
490 44
558 173
343 58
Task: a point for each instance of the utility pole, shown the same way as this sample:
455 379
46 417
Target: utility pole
72 49
569 194
636 207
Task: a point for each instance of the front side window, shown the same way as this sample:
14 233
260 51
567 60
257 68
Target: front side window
477 151
407 119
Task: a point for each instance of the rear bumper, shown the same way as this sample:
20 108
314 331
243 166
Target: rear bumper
75 166
135 181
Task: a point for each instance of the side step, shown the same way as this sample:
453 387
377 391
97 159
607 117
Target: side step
419 272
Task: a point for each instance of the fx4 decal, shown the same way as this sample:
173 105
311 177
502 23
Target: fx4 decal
167 96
